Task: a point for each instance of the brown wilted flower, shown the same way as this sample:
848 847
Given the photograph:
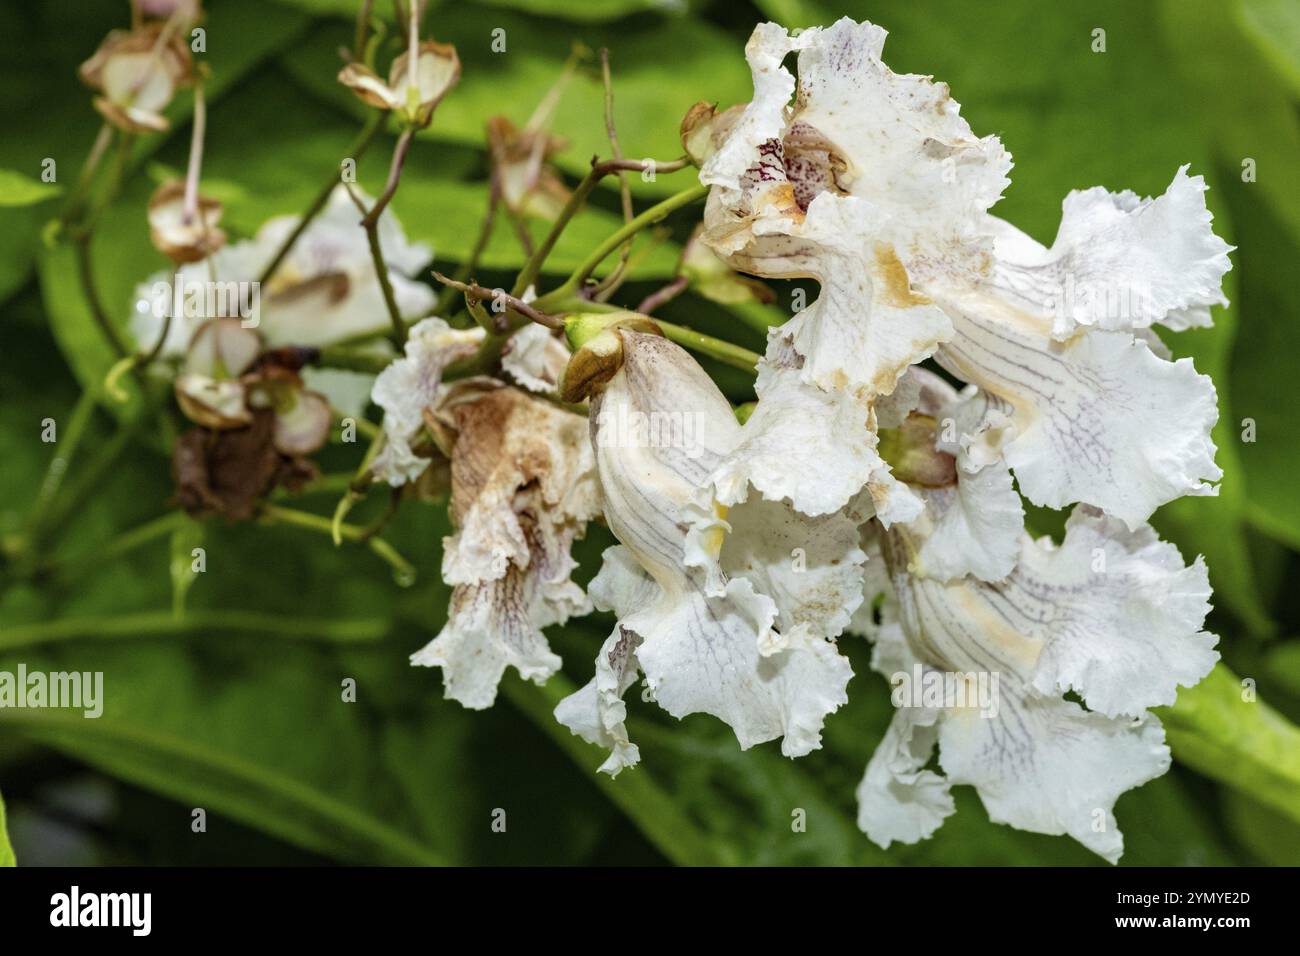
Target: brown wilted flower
136 73
523 488
529 185
227 379
229 472
178 234
411 94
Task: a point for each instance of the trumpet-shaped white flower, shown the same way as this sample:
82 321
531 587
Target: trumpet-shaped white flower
1112 615
873 184
724 629
522 489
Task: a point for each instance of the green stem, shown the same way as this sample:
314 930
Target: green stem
354 151
725 352
124 543
337 356
365 427
89 481
403 570
63 452
398 333
162 623
533 267
611 244
599 170
86 272
363 28
357 488
72 210
331 484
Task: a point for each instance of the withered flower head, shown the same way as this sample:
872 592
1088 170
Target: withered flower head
703 129
412 95
226 380
181 235
523 488
228 473
529 185
137 72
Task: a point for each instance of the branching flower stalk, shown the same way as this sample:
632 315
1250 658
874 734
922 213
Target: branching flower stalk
358 147
599 170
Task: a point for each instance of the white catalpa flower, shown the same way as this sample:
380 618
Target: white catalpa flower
412 385
873 184
733 626
523 487
981 630
979 669
535 358
324 291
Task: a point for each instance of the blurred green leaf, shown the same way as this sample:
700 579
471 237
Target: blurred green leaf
185 768
1274 25
656 812
589 10
441 201
6 851
1247 118
17 190
255 728
1263 366
577 10
1240 742
1272 837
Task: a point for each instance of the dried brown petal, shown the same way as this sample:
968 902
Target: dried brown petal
228 473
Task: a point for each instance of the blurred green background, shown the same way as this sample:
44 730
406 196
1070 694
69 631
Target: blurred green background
236 707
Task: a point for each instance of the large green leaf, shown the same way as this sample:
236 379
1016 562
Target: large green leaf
1220 728
1274 25
255 728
